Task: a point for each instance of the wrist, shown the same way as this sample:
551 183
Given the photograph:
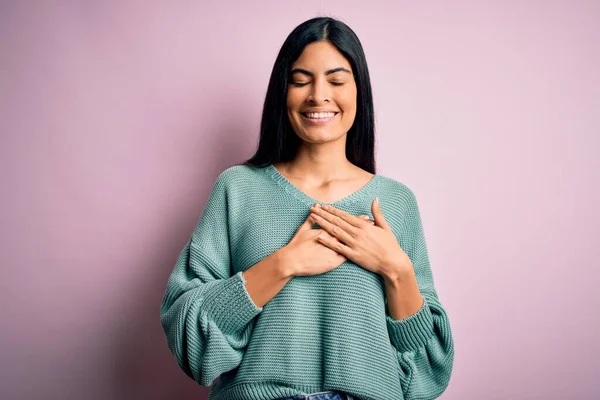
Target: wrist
394 273
286 265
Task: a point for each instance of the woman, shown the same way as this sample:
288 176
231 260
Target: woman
274 297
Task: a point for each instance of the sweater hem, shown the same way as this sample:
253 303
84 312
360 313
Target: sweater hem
265 391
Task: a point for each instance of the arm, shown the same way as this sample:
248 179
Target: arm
418 325
266 278
207 315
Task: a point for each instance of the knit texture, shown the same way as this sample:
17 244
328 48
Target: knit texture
330 331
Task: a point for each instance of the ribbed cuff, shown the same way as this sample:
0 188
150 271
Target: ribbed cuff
229 305
412 332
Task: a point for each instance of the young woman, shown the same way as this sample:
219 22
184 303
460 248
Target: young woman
307 275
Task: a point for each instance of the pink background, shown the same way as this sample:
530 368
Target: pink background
116 117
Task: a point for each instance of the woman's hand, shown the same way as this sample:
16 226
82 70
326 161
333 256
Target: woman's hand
373 246
306 255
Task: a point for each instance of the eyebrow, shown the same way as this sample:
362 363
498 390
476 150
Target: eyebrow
328 72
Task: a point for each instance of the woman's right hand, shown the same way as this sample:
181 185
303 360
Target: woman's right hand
310 256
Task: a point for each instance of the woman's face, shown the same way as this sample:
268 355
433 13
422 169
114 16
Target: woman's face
321 80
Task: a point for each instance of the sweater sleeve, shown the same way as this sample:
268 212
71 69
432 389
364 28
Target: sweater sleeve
206 313
422 341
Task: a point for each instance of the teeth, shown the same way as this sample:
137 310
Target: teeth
320 115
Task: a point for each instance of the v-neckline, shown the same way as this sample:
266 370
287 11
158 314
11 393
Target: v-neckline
368 188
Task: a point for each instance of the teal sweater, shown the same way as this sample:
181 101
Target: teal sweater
322 332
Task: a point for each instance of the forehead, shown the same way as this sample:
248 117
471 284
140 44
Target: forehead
321 56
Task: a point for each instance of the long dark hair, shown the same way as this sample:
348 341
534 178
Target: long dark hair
278 141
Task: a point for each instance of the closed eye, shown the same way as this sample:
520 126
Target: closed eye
299 84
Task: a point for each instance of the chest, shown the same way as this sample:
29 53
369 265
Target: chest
330 192
267 227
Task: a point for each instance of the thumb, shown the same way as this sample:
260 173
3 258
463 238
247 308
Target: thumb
378 215
306 225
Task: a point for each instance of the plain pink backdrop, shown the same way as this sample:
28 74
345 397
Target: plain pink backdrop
116 118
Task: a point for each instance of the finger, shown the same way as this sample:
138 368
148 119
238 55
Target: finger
334 244
307 224
349 222
378 215
368 219
330 223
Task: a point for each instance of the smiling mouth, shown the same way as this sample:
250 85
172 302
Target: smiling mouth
323 119
334 114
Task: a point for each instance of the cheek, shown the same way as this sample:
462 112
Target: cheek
293 101
349 110
348 101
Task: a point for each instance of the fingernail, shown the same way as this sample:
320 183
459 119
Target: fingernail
377 200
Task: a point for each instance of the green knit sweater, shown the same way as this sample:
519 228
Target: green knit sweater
322 332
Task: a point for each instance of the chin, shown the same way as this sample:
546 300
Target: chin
322 136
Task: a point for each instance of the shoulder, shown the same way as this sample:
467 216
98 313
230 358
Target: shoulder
395 190
238 183
232 187
398 203
237 174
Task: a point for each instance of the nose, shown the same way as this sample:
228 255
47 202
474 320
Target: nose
320 91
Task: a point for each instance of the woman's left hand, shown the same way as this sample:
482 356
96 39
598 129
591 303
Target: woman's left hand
372 246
